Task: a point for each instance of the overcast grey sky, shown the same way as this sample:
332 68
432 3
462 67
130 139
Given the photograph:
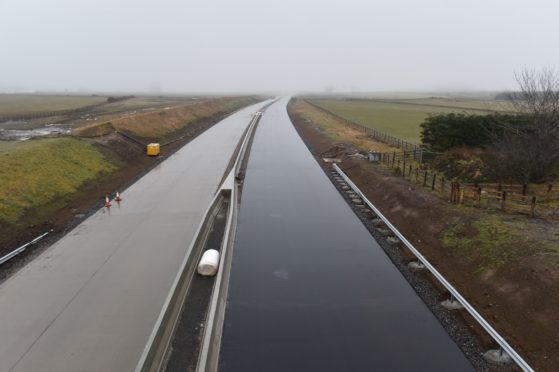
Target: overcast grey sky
259 45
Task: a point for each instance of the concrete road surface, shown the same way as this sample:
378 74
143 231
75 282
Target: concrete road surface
89 302
310 289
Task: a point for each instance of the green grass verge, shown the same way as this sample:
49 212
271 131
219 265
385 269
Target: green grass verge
493 240
399 118
37 172
488 239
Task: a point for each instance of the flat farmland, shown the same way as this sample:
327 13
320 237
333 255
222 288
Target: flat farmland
27 103
402 117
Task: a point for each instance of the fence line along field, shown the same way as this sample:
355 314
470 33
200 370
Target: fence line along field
402 117
532 200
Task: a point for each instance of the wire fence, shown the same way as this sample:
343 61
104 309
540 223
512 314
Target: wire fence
375 134
415 163
512 198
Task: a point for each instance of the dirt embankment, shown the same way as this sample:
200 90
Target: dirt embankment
511 277
119 163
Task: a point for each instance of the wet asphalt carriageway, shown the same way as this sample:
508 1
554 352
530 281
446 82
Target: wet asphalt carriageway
310 289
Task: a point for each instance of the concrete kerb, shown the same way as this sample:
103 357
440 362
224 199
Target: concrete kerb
208 360
211 344
152 357
155 350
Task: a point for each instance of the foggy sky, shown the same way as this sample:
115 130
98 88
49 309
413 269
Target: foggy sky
273 46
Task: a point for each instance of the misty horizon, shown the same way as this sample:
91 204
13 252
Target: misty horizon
249 46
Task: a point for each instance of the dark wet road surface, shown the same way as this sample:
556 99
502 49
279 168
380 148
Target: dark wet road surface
310 289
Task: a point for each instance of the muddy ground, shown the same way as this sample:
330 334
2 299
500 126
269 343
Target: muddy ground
519 298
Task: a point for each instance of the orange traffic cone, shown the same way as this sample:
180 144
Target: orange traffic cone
107 201
118 198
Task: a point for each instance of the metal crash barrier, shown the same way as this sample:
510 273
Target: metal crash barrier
505 347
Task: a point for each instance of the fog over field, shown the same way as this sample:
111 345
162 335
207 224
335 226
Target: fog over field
256 45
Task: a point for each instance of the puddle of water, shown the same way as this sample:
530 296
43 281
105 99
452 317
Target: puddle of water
23 135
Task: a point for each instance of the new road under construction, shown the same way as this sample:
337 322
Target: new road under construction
296 280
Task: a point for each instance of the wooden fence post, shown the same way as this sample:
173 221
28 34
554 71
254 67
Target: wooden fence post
479 197
452 189
404 166
433 183
398 166
524 187
425 179
417 174
393 158
409 171
503 200
442 185
533 207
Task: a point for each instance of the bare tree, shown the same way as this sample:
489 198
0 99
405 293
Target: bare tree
528 149
539 99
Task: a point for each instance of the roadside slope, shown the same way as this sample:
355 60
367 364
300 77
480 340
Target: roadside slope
53 183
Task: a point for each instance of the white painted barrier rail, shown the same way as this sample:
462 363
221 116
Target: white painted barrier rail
17 251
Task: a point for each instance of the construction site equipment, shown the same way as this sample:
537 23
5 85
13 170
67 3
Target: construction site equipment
153 149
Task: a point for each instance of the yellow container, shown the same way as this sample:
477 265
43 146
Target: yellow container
153 149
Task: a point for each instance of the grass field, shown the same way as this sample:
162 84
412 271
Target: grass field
40 176
459 103
37 172
335 128
24 103
402 117
157 124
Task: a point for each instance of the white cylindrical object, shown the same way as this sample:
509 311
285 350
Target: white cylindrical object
209 263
